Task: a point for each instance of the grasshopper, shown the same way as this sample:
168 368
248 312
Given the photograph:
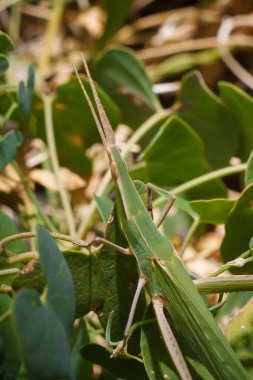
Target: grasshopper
162 271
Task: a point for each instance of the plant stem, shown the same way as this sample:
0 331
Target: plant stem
50 34
26 256
225 267
104 185
47 100
33 197
56 235
7 272
203 179
226 284
189 235
15 20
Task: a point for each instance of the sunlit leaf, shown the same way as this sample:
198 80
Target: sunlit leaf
174 156
125 79
205 113
213 211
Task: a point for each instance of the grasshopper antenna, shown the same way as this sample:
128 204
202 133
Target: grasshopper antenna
103 125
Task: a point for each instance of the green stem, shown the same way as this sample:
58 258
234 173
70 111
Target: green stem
48 100
56 235
5 315
50 35
8 114
15 21
22 257
104 185
203 179
225 267
226 284
33 197
7 272
189 235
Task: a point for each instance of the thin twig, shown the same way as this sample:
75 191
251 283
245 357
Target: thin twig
223 37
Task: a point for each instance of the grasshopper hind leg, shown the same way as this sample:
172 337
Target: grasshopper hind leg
169 339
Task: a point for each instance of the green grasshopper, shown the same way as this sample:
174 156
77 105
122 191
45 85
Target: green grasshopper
162 271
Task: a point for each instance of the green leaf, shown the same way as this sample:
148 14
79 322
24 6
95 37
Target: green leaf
125 79
209 118
120 367
116 13
240 107
178 63
42 336
5 42
4 64
7 228
74 127
213 211
104 205
9 350
239 229
249 171
82 368
104 281
251 244
25 93
175 156
9 145
61 291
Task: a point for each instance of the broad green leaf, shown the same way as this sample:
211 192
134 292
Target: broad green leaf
116 13
249 171
42 337
121 367
208 117
9 350
104 205
4 64
82 368
239 229
61 291
176 155
7 228
240 106
74 127
213 211
104 281
9 145
5 42
125 79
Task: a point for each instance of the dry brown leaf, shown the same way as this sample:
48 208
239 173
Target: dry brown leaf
46 178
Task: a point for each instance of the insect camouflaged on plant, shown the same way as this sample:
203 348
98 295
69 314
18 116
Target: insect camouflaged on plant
162 271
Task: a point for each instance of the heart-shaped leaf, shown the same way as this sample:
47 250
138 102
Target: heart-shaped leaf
125 79
9 145
208 117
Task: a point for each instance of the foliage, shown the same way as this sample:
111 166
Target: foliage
53 288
